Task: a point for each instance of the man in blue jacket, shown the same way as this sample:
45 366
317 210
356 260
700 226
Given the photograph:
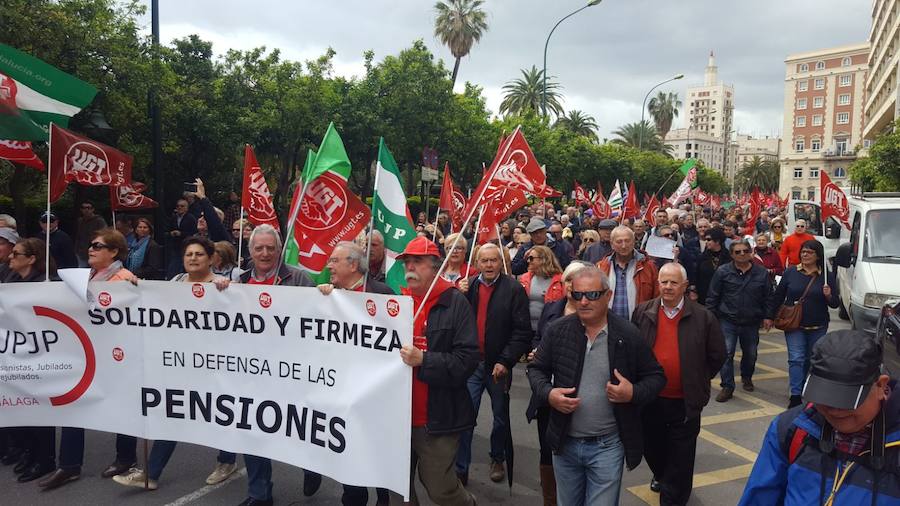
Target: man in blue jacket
843 446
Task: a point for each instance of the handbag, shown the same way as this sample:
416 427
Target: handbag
789 315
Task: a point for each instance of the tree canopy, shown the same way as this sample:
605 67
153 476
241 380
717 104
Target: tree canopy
880 171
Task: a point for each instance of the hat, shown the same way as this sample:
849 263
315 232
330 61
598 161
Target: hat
44 216
535 224
843 366
607 224
9 234
419 247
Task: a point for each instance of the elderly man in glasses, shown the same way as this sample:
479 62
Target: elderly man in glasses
594 370
790 248
687 342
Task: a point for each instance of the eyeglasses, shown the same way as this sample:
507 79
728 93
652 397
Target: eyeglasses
587 240
741 251
334 260
17 254
97 246
235 230
591 295
530 258
670 236
801 226
776 226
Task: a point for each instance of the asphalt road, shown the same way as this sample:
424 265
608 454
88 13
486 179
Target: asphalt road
730 437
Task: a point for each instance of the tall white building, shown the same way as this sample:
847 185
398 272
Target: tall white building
881 106
768 149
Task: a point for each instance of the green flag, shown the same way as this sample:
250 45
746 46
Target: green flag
332 157
34 94
687 166
391 216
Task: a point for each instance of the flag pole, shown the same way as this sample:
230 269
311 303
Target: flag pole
240 250
371 225
475 237
436 214
47 231
468 218
502 249
290 225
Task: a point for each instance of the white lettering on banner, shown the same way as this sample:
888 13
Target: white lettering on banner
311 380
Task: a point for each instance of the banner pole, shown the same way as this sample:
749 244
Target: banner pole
47 231
666 181
290 226
240 250
436 214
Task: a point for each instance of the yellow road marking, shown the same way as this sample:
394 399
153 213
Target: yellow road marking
727 474
730 446
738 416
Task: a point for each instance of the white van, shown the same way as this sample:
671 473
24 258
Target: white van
869 264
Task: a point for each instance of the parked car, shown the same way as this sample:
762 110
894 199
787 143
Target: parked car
888 328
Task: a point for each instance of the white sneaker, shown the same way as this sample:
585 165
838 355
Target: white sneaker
221 473
135 478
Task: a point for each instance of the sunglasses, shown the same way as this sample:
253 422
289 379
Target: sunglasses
97 246
670 236
801 226
588 240
530 258
591 295
741 251
235 230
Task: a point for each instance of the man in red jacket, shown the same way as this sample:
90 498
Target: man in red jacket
790 248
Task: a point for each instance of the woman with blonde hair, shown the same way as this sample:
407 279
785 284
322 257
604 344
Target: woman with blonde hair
456 268
542 281
588 237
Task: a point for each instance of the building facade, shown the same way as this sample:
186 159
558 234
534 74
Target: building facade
824 93
709 149
881 104
768 149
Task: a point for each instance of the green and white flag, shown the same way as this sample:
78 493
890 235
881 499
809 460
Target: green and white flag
390 216
34 94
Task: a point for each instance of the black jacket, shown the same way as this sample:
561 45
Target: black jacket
519 266
507 329
62 249
706 267
215 229
288 275
737 297
558 363
152 267
451 358
701 348
551 311
375 286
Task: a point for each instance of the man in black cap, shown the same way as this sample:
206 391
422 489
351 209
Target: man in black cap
843 446
602 249
62 249
537 229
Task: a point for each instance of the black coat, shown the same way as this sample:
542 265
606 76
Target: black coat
375 286
558 363
560 250
62 249
706 267
451 358
739 298
152 267
507 332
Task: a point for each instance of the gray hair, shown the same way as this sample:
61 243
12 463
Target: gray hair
354 254
673 265
622 229
490 246
591 271
9 220
264 229
574 267
743 241
378 234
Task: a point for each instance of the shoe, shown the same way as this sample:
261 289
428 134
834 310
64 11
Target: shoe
12 456
59 478
498 472
796 400
747 383
256 502
25 463
221 473
654 485
116 468
463 477
725 394
135 478
311 483
36 471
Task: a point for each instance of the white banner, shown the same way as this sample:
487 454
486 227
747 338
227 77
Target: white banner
279 372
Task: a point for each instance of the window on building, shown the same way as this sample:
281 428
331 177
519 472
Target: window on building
815 145
799 145
840 172
801 121
844 99
818 102
804 67
712 127
843 118
795 194
714 102
801 103
813 172
811 193
803 85
687 146
819 83
846 79
840 145
798 172
820 65
817 120
845 62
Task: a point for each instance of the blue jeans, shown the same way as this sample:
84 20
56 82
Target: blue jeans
478 382
159 456
589 472
226 457
748 335
259 477
799 345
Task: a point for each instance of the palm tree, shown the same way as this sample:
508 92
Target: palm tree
459 25
631 135
579 123
524 94
663 108
758 172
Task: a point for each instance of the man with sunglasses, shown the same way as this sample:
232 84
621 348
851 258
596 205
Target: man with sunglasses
790 248
88 225
594 370
737 295
687 342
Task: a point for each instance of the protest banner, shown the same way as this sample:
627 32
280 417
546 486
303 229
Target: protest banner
280 372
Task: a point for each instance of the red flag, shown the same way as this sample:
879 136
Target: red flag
452 200
581 196
703 198
755 209
85 161
130 196
329 214
646 198
631 208
600 205
834 200
20 152
255 196
650 214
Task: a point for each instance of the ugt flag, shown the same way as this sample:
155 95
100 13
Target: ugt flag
129 197
85 161
255 196
391 215
452 200
834 200
34 94
20 152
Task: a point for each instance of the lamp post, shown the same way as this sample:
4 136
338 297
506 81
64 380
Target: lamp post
644 107
544 94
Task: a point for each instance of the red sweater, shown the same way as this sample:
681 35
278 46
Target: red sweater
790 247
665 348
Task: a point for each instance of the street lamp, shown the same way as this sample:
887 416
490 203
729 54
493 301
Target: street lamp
644 107
544 95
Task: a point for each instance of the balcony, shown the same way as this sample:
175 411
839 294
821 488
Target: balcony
839 153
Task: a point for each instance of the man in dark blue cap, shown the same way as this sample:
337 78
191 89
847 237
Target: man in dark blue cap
843 446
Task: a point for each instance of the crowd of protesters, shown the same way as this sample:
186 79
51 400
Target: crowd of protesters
620 346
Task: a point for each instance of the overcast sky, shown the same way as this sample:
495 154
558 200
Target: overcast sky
606 57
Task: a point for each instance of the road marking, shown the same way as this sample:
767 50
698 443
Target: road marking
738 416
771 372
727 474
200 492
730 446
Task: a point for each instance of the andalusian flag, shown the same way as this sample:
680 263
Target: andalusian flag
391 216
615 198
686 169
34 94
